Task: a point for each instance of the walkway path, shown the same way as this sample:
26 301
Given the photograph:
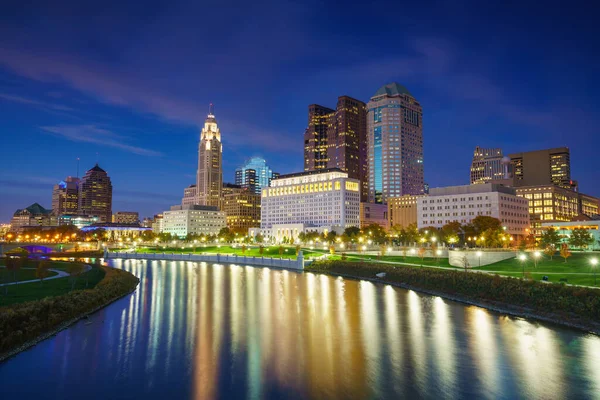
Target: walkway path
59 274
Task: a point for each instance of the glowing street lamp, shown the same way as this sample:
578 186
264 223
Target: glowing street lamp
433 239
536 255
479 256
522 258
594 262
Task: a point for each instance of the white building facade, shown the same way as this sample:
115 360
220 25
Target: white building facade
322 201
199 220
465 203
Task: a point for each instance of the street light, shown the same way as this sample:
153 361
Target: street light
523 257
536 255
594 262
479 255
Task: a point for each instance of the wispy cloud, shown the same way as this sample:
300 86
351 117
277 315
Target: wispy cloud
33 102
99 136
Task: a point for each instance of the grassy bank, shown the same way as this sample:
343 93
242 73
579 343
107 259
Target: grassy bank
7 276
560 303
24 323
268 251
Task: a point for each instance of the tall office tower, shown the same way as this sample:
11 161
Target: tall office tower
395 144
543 167
65 197
316 137
337 139
95 194
255 174
487 165
209 180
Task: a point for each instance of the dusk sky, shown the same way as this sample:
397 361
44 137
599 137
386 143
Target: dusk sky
130 86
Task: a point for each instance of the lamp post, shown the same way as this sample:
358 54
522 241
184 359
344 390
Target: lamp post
536 255
479 256
594 262
523 257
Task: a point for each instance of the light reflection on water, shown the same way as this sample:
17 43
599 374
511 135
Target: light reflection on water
214 331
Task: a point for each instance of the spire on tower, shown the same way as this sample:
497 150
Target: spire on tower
210 109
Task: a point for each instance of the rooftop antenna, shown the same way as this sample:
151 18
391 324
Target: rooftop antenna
77 167
96 158
210 109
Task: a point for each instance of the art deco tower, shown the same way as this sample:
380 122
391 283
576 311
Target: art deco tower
209 180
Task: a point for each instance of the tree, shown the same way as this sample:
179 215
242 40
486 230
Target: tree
75 269
259 238
352 231
382 250
331 249
411 233
331 236
226 235
376 233
14 262
549 238
464 260
580 238
404 251
549 251
297 250
281 251
261 250
421 253
244 248
302 237
482 223
451 231
564 251
41 271
434 251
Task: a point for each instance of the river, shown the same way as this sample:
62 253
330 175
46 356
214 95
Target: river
198 331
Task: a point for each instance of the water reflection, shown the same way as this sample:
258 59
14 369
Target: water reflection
218 331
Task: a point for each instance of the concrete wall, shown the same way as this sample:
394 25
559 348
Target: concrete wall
297 264
487 257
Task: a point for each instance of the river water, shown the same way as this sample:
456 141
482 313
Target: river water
198 331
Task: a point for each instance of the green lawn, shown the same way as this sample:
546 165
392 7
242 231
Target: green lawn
269 251
22 275
34 291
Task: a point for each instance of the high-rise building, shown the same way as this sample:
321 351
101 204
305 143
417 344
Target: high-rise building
395 144
210 175
242 209
255 174
189 196
126 217
465 203
543 167
337 139
487 165
95 194
65 197
321 201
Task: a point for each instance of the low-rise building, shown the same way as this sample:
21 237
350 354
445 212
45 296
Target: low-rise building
189 196
113 231
565 229
464 203
78 221
242 209
402 210
322 200
373 213
33 216
126 217
193 219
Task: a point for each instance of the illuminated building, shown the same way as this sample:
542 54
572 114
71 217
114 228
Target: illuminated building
543 167
189 196
589 205
242 209
194 219
465 203
565 229
373 213
95 194
65 197
487 165
79 221
113 231
126 217
402 211
254 175
157 223
210 175
395 144
337 139
325 200
32 217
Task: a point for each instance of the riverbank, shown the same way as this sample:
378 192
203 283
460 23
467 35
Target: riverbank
26 324
573 307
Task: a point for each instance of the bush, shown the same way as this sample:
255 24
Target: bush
26 321
566 301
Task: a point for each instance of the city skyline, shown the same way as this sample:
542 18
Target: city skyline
97 103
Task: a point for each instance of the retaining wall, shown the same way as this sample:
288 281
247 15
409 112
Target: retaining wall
456 257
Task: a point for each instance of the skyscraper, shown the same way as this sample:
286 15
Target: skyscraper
65 197
395 144
337 139
543 167
95 194
486 165
209 179
255 174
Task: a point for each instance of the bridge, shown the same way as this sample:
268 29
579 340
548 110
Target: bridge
33 247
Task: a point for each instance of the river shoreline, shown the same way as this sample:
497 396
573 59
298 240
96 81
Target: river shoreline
502 308
30 343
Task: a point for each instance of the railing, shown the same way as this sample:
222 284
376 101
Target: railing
285 263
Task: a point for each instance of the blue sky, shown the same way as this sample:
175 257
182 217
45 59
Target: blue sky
130 86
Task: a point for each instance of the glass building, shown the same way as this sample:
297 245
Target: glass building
395 144
254 175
